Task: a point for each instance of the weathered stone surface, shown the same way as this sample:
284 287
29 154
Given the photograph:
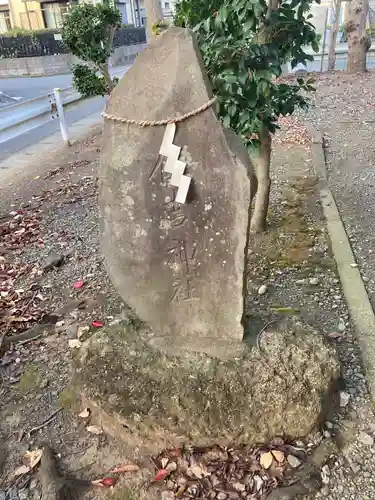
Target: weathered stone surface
179 266
150 399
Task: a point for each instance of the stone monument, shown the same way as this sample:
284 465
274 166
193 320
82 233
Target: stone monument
175 202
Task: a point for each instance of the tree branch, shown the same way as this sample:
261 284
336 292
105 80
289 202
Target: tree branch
272 5
103 68
112 32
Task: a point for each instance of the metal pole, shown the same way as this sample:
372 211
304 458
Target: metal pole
134 19
138 12
60 114
324 41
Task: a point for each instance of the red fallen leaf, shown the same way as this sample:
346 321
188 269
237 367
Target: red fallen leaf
97 324
125 468
161 474
109 481
106 482
78 284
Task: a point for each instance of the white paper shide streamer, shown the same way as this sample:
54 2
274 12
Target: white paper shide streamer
173 165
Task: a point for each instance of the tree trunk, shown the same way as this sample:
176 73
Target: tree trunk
259 217
107 77
333 35
154 14
358 42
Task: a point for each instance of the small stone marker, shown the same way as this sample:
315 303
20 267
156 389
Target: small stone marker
174 202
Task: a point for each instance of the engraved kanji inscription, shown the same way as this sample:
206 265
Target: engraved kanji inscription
182 261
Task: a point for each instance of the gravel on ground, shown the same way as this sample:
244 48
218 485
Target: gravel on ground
343 109
58 290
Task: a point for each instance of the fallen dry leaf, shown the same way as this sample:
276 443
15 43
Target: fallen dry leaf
197 470
32 458
78 284
180 490
74 343
84 413
23 469
266 460
161 474
125 468
279 456
94 429
172 466
82 330
334 335
106 482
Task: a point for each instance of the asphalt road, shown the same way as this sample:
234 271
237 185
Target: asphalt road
27 88
24 88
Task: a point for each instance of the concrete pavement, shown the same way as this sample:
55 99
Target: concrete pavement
18 165
85 109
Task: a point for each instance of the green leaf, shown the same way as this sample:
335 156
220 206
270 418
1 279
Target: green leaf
230 78
245 117
223 13
243 78
232 109
242 54
315 46
226 121
249 24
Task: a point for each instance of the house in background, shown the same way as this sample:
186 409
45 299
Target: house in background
137 13
38 14
5 23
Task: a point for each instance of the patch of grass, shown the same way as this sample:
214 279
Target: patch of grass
290 237
29 381
288 243
67 399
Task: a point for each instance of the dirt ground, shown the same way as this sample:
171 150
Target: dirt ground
49 218
55 292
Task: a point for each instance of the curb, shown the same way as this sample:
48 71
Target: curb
355 293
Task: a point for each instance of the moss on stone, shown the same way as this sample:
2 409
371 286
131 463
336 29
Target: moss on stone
67 398
281 389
